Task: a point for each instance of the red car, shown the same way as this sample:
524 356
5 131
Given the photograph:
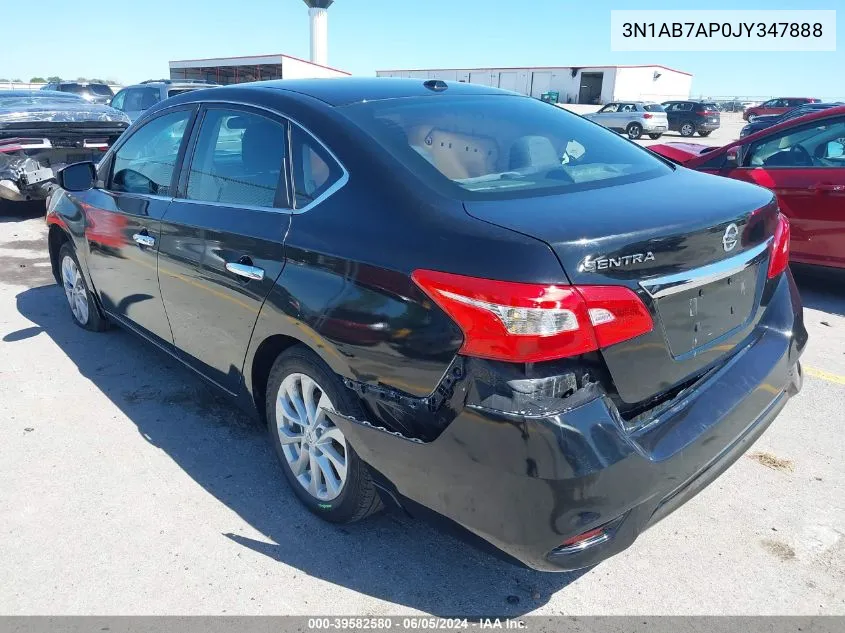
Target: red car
776 106
803 161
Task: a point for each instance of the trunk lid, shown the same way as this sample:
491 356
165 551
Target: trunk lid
694 247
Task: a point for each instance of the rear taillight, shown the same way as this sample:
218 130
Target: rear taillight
709 113
647 115
780 247
526 323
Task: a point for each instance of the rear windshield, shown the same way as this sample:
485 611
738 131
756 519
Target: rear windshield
97 89
653 107
100 89
709 106
489 147
178 91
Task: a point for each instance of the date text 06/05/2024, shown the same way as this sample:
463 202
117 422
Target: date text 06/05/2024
420 623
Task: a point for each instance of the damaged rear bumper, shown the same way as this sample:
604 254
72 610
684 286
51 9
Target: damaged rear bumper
527 484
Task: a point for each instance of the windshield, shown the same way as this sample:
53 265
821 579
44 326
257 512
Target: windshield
501 146
96 89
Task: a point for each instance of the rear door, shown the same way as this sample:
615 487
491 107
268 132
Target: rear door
222 242
805 167
671 108
605 116
123 220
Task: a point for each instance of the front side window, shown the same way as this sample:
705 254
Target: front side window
239 159
117 102
144 164
315 171
140 99
488 147
821 144
609 108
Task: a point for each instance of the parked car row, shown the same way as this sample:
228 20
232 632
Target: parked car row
637 117
447 297
776 106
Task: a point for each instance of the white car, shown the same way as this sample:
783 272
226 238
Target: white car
633 118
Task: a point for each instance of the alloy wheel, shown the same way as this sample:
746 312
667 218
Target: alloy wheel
75 291
687 129
314 448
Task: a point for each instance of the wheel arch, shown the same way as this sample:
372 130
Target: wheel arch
55 238
261 363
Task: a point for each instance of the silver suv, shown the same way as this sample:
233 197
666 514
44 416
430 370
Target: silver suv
133 100
633 118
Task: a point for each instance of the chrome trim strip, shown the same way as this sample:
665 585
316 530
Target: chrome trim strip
234 205
687 280
341 182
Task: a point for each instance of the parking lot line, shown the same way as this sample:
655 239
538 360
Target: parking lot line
824 375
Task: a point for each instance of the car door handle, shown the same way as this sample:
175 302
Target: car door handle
144 240
830 187
245 270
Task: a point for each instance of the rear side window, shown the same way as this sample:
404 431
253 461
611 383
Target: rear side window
489 147
653 107
315 171
101 90
238 160
177 91
144 164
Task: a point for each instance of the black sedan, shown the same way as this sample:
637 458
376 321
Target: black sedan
763 122
446 297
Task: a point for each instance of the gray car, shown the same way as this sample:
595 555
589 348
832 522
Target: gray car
92 92
133 100
633 118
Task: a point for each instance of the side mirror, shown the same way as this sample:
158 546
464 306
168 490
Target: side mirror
77 177
835 149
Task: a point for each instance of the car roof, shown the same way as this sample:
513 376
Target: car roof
342 91
40 94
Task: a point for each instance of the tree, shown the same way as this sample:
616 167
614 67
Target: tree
38 80
17 81
54 79
4 81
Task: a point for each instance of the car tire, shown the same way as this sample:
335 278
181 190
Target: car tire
321 458
654 137
634 131
83 306
687 128
705 133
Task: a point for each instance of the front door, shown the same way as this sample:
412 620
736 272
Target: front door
805 167
222 239
123 220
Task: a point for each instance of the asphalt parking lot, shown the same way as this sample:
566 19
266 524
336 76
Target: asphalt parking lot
127 487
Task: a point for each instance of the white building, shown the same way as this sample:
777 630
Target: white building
575 84
234 70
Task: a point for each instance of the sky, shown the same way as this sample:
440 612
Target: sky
133 41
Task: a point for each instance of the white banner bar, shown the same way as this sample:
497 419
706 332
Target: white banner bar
713 30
